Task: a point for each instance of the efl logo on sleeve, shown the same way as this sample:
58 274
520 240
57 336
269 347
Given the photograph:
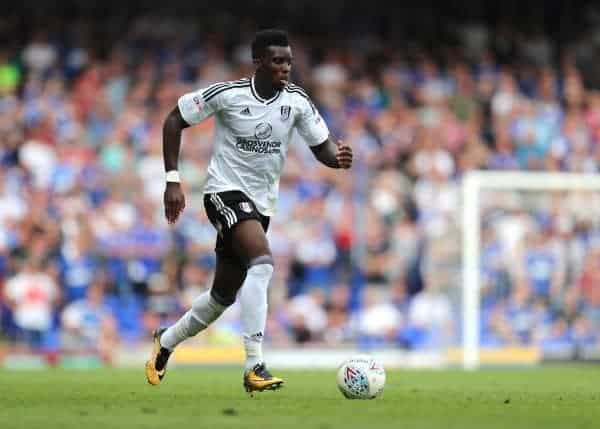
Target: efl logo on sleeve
198 103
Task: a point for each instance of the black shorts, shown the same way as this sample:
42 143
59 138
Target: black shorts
225 210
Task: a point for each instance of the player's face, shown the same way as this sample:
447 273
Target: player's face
277 63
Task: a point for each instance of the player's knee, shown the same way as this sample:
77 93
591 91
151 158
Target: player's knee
261 268
223 297
266 260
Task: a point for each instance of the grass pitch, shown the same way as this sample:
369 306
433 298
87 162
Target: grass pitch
555 397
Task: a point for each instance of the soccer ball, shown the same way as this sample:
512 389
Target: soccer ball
361 377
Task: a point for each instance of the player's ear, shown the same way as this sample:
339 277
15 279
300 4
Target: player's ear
257 62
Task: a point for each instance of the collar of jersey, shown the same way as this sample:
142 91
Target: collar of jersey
258 97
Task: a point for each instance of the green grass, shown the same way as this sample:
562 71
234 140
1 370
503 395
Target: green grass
556 397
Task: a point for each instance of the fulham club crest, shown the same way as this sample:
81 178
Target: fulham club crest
285 112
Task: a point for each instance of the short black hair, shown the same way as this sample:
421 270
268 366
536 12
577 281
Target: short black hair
268 37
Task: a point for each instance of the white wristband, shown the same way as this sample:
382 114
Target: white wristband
172 176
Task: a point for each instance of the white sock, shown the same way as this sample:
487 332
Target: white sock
253 301
204 311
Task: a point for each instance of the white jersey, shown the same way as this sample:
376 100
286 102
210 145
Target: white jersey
252 135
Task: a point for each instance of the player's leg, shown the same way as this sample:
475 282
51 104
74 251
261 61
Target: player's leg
252 247
206 308
229 275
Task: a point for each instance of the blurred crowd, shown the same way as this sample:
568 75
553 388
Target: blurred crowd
87 260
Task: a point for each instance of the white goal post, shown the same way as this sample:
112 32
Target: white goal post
472 185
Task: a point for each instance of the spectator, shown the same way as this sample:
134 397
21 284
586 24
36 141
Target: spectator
88 325
378 320
32 296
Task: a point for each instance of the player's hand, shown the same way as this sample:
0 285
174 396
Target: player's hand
174 201
344 155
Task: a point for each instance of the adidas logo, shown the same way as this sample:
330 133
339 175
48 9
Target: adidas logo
246 111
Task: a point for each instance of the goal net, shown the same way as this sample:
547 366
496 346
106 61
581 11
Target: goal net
530 262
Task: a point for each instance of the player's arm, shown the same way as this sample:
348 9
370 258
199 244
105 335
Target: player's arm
192 108
312 128
334 155
174 124
173 198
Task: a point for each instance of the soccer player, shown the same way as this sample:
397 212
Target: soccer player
254 121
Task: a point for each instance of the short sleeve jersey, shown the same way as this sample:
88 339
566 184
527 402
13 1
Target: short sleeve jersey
252 135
